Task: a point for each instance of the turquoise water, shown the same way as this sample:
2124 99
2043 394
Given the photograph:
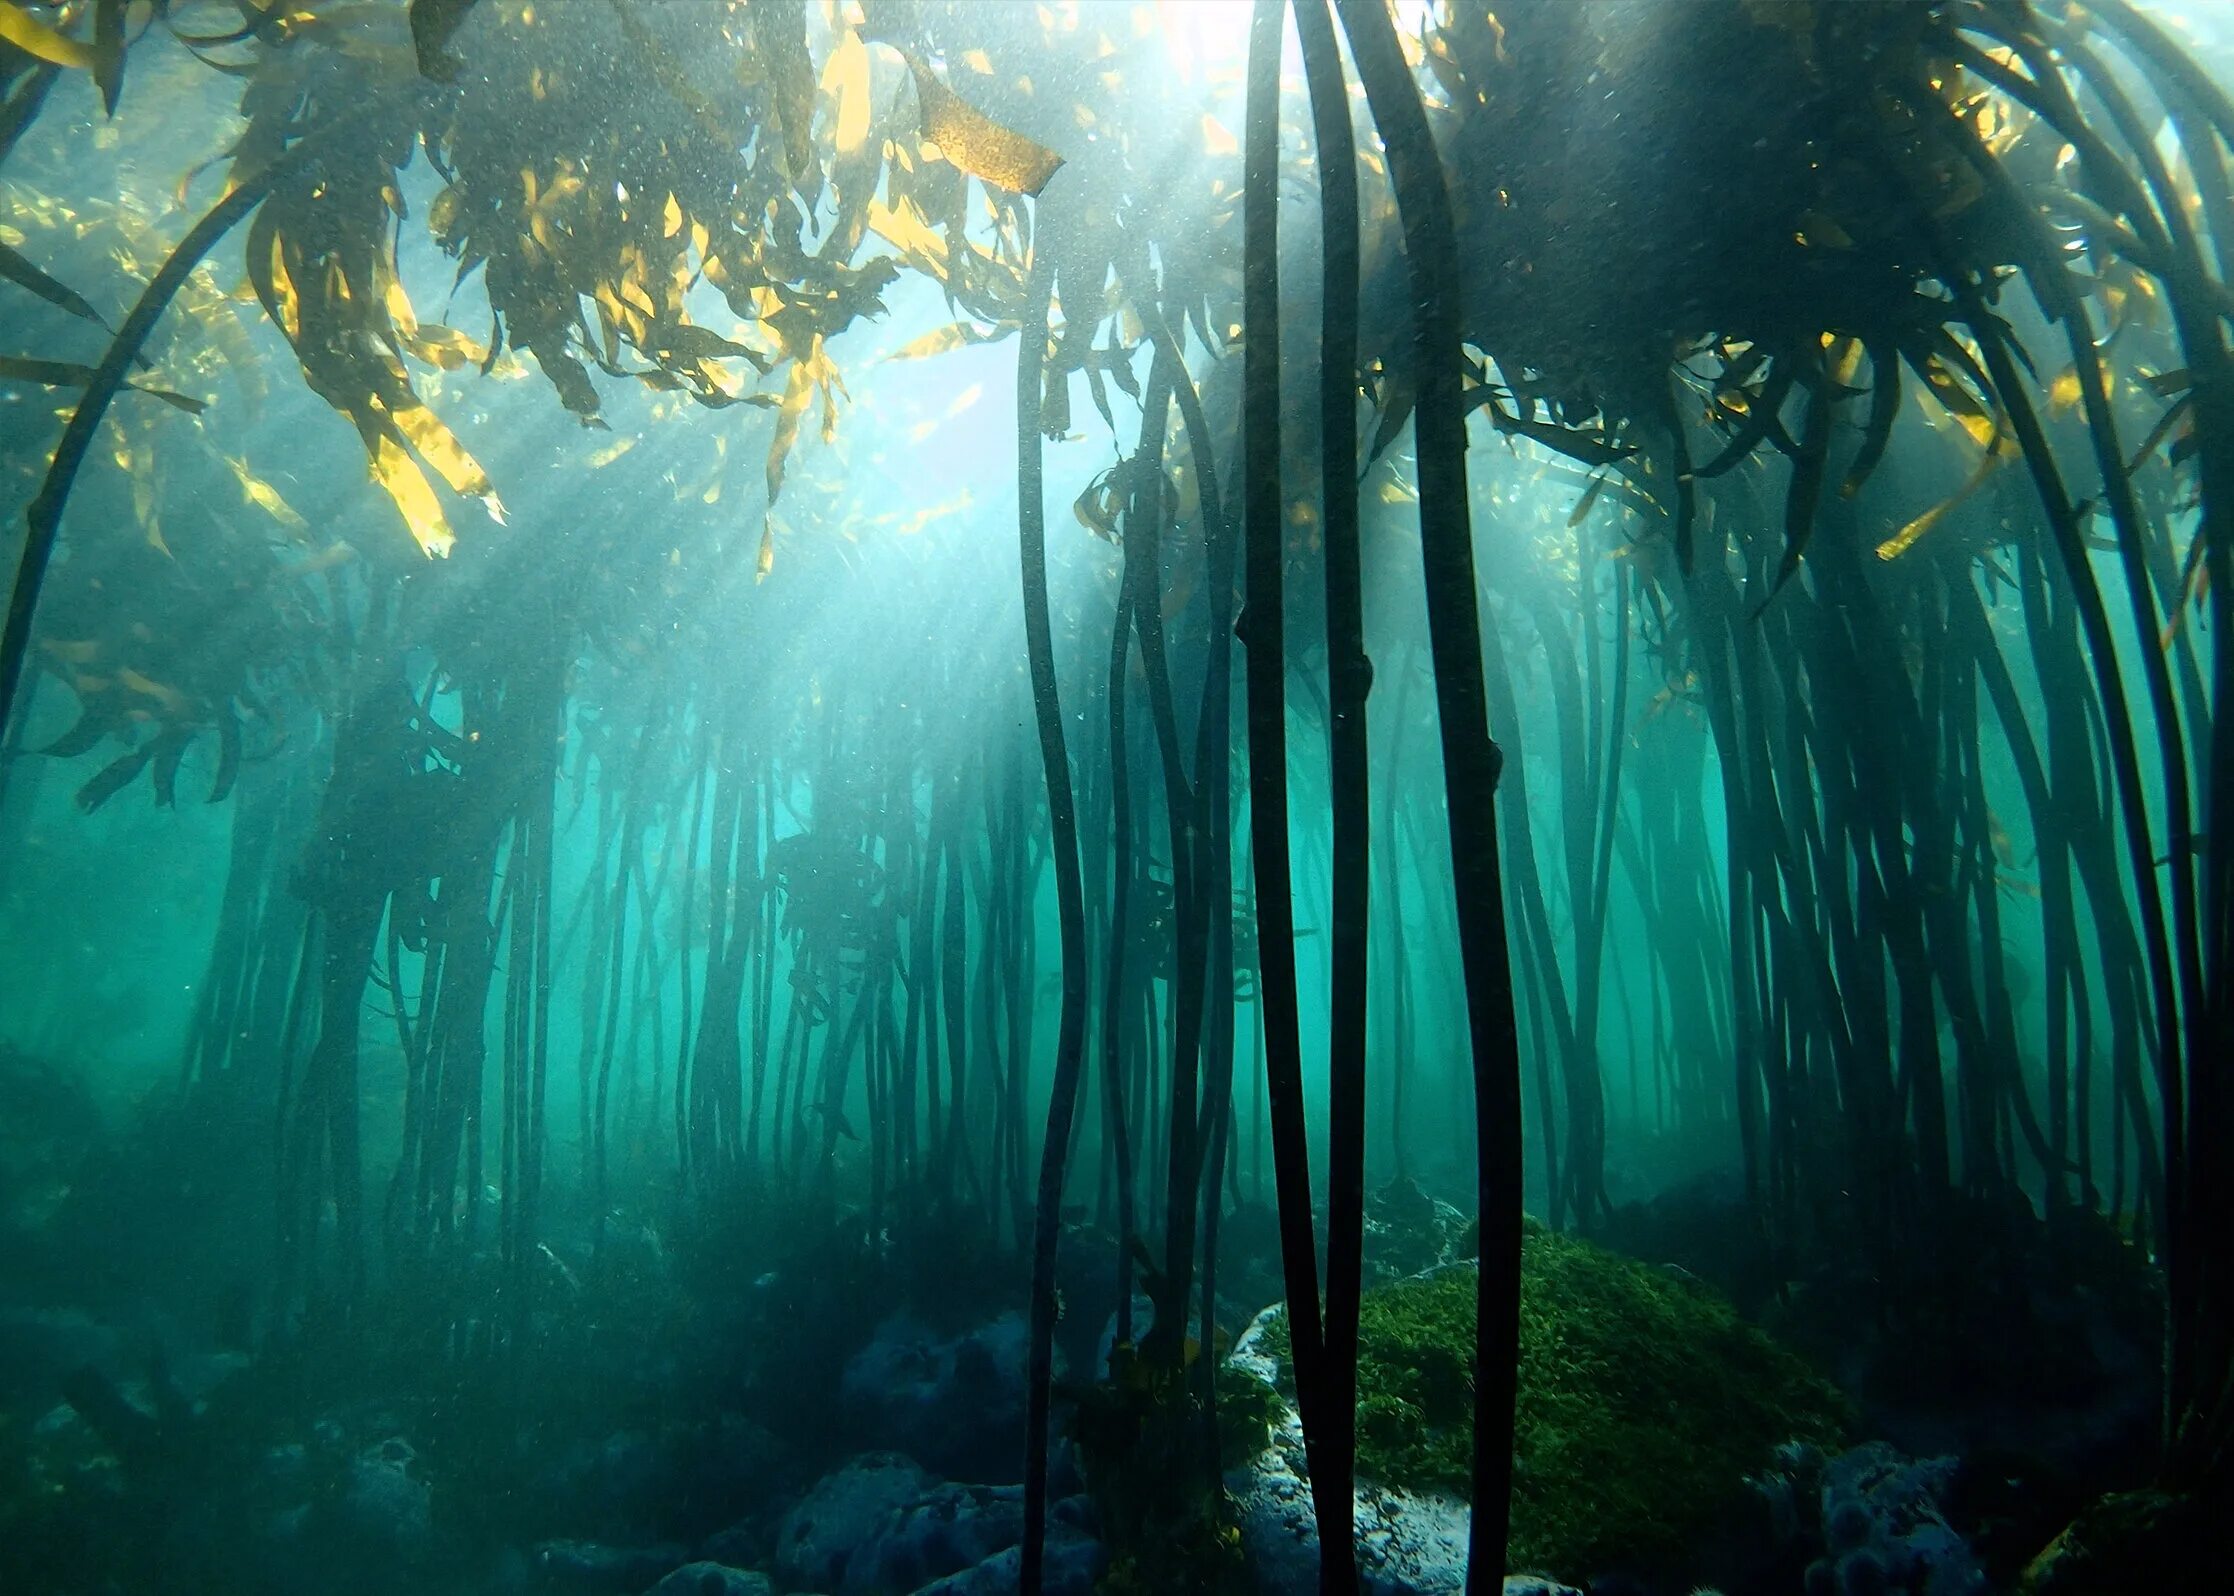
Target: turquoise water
692 898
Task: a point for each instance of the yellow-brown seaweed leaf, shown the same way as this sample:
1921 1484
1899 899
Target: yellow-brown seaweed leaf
402 480
33 37
976 143
1906 538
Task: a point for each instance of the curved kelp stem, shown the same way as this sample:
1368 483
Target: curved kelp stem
1263 636
1213 846
1047 713
1121 866
2200 1390
1143 564
1349 679
1470 759
44 518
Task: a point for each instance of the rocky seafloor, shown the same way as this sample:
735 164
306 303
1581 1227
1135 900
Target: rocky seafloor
888 1467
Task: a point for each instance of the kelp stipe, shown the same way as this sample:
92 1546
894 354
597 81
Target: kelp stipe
1470 763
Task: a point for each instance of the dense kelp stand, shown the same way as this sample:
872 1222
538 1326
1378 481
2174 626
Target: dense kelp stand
623 945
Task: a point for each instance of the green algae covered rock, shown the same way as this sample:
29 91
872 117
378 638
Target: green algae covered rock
1644 1403
2153 1541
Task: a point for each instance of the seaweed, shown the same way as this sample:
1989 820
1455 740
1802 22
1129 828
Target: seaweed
1643 1403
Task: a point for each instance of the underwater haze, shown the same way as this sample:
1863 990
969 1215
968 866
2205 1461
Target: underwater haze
958 797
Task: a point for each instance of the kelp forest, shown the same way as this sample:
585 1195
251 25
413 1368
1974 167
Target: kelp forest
940 797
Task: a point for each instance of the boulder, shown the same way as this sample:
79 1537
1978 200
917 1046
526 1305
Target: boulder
1410 1543
386 1507
956 1402
843 1511
949 1529
880 1526
1073 1566
1407 1231
591 1567
1885 1526
2152 1541
38 1346
712 1579
357 1523
1645 1404
604 1486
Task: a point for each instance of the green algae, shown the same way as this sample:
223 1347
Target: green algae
1644 1402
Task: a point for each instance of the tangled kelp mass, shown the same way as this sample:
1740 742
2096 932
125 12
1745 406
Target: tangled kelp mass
629 964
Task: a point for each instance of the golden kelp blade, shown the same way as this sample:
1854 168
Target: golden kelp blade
33 37
266 497
439 447
1905 539
938 341
846 80
976 143
405 483
283 302
904 228
798 390
1581 511
172 700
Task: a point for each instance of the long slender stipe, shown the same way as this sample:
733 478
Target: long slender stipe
44 518
1070 902
1470 760
1349 679
1264 640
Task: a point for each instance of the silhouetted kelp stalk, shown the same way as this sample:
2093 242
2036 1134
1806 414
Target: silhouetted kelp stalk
2201 1377
43 519
1070 898
1143 558
1117 1140
1210 928
1349 680
1471 760
1263 631
1905 169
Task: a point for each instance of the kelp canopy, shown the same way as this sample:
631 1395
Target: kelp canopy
1807 427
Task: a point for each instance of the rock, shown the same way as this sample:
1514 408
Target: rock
602 1487
1409 1543
1144 1314
1645 1404
712 1579
2153 1541
38 1346
716 1470
196 1376
385 1505
881 1526
955 1402
843 1511
592 1566
951 1528
1885 1526
745 1544
1073 1566
1407 1231
339 1523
